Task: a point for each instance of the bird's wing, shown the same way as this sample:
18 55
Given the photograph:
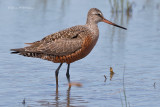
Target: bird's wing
61 43
72 32
67 33
58 47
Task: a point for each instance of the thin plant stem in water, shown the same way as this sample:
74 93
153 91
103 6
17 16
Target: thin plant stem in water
124 91
121 99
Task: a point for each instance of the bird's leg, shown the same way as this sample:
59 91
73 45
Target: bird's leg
56 73
67 73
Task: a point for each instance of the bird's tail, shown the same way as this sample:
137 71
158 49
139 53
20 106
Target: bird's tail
17 51
21 51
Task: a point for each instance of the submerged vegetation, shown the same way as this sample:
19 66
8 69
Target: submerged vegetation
121 12
111 73
121 6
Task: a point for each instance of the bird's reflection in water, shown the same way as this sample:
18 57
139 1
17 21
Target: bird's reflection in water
68 96
57 103
58 100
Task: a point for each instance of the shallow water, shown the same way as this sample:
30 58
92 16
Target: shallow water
135 51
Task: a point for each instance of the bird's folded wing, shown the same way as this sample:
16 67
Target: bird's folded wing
69 33
58 47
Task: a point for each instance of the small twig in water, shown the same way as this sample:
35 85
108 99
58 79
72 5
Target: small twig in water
105 78
154 85
24 102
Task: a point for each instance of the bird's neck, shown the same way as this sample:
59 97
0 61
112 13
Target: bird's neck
93 27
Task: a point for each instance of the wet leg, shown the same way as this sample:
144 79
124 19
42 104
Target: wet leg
57 72
67 73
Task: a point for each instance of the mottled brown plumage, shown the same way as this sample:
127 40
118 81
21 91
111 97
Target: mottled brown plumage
68 45
64 46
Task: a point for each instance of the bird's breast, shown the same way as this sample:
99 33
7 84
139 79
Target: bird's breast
88 45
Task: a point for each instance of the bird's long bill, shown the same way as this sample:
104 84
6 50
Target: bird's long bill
109 22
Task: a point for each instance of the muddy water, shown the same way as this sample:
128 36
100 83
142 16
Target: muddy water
135 51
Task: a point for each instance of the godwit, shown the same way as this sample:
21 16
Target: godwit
68 45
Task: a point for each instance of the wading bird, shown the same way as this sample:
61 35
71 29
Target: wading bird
68 45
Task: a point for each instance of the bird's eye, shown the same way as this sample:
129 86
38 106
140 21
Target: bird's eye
99 14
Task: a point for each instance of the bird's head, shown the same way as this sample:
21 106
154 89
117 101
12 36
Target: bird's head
95 16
